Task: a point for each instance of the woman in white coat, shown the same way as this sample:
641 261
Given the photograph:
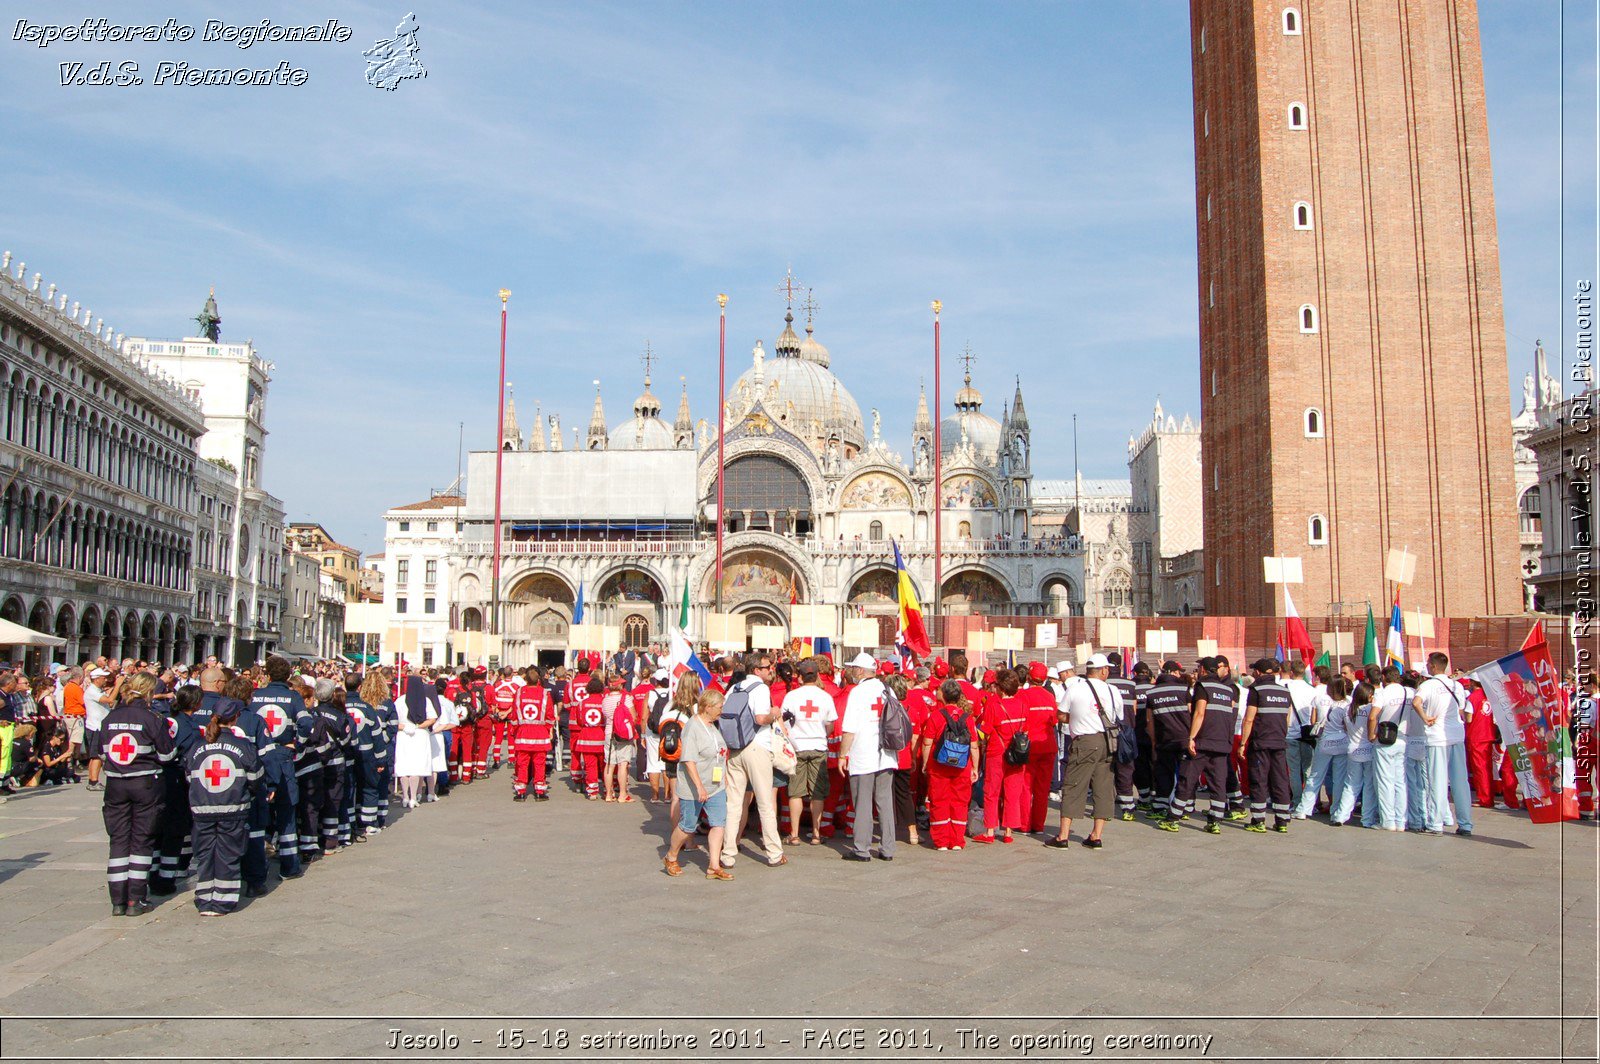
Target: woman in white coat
413 748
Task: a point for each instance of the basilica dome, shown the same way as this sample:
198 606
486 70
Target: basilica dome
981 431
801 393
645 431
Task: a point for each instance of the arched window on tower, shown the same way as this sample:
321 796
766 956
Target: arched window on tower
875 531
1313 423
1531 510
1297 116
1291 22
1308 318
1302 215
1317 531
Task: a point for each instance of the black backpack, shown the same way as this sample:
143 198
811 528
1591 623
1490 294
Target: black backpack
1018 748
894 725
671 740
658 706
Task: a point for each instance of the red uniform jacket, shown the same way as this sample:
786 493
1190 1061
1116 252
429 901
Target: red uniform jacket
505 699
1040 706
589 724
533 719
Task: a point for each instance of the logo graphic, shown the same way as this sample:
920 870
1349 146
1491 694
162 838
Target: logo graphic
216 774
395 60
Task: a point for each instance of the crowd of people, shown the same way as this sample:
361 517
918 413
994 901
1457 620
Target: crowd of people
222 775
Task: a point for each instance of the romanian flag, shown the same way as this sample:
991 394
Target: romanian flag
1395 651
912 633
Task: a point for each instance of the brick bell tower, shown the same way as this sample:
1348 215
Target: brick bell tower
1352 344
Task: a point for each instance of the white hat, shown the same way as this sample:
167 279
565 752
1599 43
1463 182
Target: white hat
1097 661
1065 666
98 672
659 675
863 660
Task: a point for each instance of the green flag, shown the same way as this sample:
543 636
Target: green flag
683 611
1369 644
1323 659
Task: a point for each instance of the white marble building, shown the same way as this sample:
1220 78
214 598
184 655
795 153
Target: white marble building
813 493
420 540
97 481
239 546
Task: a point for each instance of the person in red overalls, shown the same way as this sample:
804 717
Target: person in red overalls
577 690
949 785
463 737
589 736
1007 800
532 733
1480 745
491 728
836 813
1039 702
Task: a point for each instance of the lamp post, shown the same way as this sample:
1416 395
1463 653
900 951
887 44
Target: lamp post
938 467
499 466
722 409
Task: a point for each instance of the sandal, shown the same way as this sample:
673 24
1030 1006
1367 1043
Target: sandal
609 798
719 873
792 840
816 840
673 867
626 799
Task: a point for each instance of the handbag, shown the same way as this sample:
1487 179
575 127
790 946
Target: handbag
1112 732
784 757
1389 730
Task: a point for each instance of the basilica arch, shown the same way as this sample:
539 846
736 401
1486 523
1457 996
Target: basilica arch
976 590
1061 596
539 605
875 588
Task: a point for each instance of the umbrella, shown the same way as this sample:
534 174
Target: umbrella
15 635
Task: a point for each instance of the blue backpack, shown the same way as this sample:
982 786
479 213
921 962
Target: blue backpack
955 745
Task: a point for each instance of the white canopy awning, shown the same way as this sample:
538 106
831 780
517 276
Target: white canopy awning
15 635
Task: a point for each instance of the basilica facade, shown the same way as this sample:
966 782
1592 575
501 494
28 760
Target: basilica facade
624 517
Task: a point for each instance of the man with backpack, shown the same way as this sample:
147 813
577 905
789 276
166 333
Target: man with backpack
746 714
656 698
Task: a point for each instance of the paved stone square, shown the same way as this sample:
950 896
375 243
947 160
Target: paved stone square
500 917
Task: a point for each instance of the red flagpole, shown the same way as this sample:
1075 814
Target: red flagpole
722 408
499 464
938 466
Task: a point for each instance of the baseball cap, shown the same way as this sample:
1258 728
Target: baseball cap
941 668
1038 672
988 677
1097 661
659 676
1065 666
864 660
886 668
97 671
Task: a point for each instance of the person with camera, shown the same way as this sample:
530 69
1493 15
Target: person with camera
1092 713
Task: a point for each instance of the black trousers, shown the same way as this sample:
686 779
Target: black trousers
1214 767
332 803
1269 782
308 813
1164 777
904 807
219 845
1144 770
172 848
132 813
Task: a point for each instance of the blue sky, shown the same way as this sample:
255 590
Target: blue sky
617 165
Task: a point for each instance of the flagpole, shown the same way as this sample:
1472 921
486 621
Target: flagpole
938 466
499 466
722 409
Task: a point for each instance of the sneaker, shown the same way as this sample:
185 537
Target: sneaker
1430 831
1281 827
1468 831
1238 814
1301 816
1092 844
119 910
1168 825
1128 815
209 912
851 855
519 797
1257 826
1213 828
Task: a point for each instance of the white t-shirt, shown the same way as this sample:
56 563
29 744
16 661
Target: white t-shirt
95 707
1083 712
861 715
1443 700
1360 745
813 710
1335 736
1305 699
1393 702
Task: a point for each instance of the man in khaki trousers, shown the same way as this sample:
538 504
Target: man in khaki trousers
749 708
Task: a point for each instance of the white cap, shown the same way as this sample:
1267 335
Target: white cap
1065 666
1097 661
98 672
659 675
864 660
